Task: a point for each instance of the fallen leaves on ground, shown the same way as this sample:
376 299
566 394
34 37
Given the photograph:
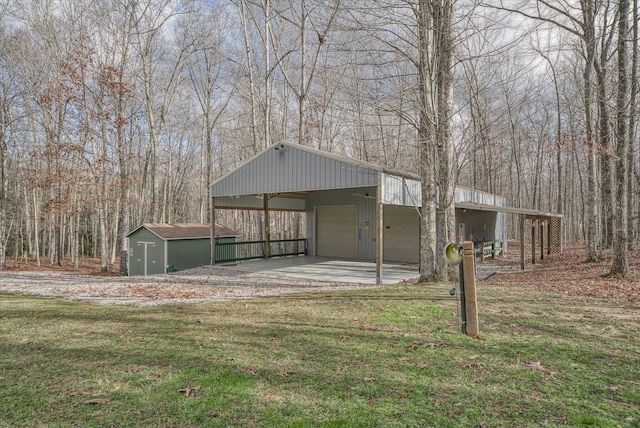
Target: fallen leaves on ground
250 370
569 273
192 392
535 365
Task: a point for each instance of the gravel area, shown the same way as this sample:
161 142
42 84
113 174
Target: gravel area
205 283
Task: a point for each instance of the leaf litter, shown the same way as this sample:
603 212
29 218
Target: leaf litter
569 273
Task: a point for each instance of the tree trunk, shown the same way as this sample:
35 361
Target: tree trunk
607 194
427 142
593 253
632 213
250 74
443 37
4 177
620 265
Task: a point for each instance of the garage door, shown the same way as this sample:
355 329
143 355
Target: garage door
336 234
401 234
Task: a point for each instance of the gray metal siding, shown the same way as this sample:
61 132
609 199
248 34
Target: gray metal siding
501 229
463 194
336 231
365 216
401 191
482 225
401 234
292 170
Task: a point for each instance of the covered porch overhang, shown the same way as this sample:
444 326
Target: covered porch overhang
538 221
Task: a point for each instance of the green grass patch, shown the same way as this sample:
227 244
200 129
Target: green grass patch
374 357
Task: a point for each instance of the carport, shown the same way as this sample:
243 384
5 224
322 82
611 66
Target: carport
344 201
354 210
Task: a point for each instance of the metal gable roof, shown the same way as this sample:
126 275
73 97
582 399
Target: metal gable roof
169 231
291 168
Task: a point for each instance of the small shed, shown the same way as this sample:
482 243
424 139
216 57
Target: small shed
162 247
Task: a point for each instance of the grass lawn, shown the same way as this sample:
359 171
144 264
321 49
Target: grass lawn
363 358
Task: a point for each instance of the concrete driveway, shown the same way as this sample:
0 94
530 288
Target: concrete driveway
327 269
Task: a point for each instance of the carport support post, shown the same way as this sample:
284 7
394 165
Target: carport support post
379 242
470 296
533 242
265 224
213 230
541 240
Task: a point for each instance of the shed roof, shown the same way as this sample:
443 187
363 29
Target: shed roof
169 231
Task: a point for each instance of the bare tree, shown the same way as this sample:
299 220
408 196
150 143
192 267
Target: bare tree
209 77
620 264
632 167
5 123
160 81
308 21
246 17
435 47
581 22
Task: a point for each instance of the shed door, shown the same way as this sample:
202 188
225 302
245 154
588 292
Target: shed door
148 258
336 232
401 234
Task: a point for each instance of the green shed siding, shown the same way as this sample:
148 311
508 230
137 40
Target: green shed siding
188 253
156 248
141 242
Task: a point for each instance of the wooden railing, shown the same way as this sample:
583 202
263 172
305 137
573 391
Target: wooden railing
489 248
229 252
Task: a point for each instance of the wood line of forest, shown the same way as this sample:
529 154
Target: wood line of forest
118 112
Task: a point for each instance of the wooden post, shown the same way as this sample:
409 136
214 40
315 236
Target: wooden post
266 224
548 237
213 231
560 235
533 242
471 299
463 308
541 240
379 239
522 233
